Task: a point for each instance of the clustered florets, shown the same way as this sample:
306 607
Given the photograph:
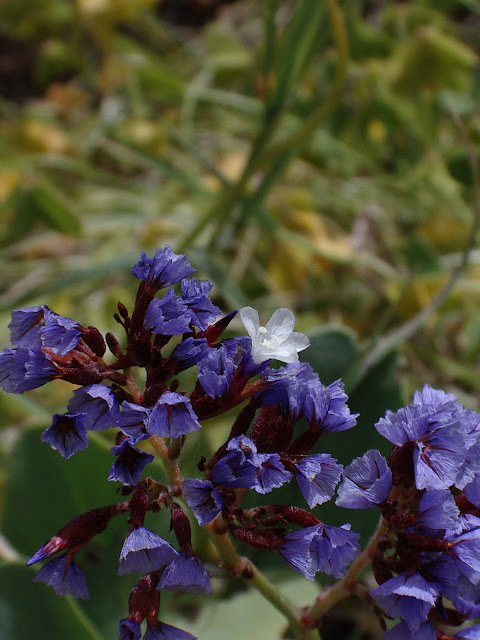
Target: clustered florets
427 558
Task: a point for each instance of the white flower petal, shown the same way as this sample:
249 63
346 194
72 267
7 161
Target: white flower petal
285 354
251 322
299 341
260 355
280 324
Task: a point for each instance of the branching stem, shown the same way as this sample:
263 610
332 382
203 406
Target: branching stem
348 584
238 565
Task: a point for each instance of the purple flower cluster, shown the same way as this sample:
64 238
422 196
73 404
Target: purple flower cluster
166 334
426 493
427 558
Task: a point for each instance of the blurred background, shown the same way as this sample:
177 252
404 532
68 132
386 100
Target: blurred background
315 155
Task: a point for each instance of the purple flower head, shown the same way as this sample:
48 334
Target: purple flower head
235 471
426 631
65 579
188 352
163 270
67 433
172 416
317 476
436 401
243 467
168 316
60 335
437 511
438 457
335 548
302 379
129 464
439 444
130 629
36 327
236 348
464 595
243 444
326 407
204 500
408 424
195 297
24 369
270 472
143 552
39 369
12 369
470 427
464 547
367 482
134 421
276 385
406 596
26 324
472 491
162 631
98 403
246 365
297 550
186 573
215 372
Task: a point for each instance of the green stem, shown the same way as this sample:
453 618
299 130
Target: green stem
131 385
238 565
88 625
348 585
283 604
172 469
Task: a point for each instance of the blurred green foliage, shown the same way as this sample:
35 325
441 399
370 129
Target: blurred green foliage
304 154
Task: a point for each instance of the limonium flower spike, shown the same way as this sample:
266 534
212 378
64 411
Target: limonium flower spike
425 554
276 339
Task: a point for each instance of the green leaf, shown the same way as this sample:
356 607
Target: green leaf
378 391
30 610
332 351
54 209
23 217
301 38
421 256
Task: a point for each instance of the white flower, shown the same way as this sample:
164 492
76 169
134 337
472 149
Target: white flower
276 339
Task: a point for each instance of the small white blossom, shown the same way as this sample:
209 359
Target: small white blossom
276 339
